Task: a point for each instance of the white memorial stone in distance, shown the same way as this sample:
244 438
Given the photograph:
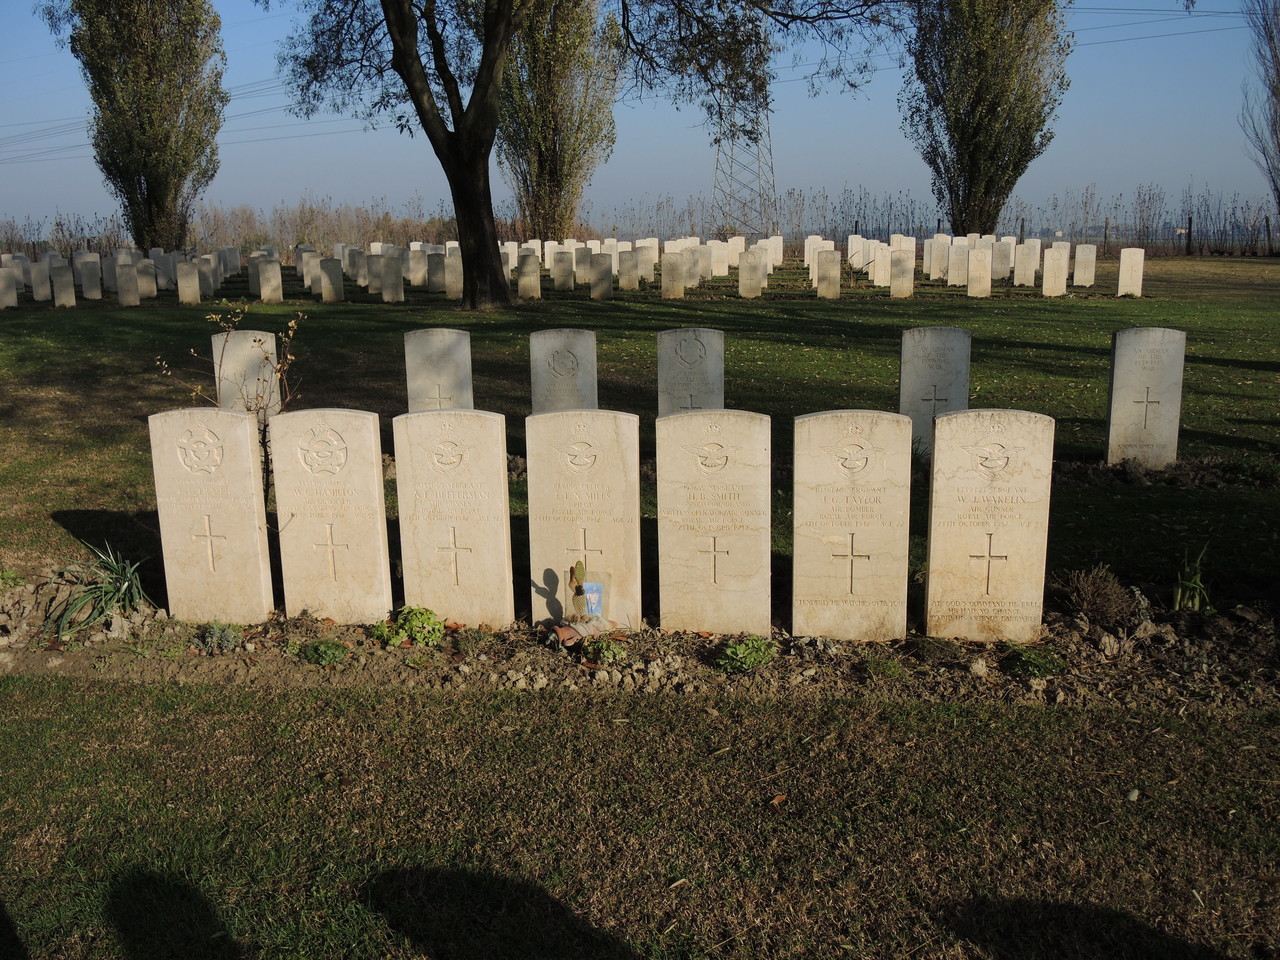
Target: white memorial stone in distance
584 504
988 525
8 289
455 529
147 286
127 285
902 274
1024 266
41 290
979 279
373 267
270 282
672 276
601 276
562 370
628 270
713 522
392 278
188 275
91 277
958 264
1001 259
1086 265
690 370
213 526
1130 280
1053 278
332 516
750 274
852 499
435 272
332 289
562 271
244 365
437 364
1145 395
529 276
63 280
453 279
827 272
933 378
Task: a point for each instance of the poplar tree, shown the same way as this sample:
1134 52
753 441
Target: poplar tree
1260 116
985 83
154 73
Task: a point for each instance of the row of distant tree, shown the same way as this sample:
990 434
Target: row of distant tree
537 79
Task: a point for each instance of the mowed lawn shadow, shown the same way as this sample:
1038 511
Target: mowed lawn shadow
162 917
452 914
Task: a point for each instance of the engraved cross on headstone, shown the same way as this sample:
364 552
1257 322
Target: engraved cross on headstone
716 553
935 399
582 549
453 549
331 547
690 405
438 399
988 556
208 537
851 556
1146 407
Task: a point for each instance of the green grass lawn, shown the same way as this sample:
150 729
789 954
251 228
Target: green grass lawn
165 821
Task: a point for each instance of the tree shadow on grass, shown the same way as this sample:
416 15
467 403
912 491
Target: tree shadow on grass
452 914
161 917
11 947
1018 929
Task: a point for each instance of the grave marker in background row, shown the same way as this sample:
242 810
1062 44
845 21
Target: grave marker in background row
437 364
127 285
902 274
713 521
270 282
332 516
1086 265
852 498
1145 406
584 504
244 363
529 276
933 377
213 526
562 370
455 529
979 279
690 370
1130 279
1054 277
988 524
63 282
453 277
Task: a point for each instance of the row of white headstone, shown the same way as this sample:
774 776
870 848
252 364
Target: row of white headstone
988 518
127 274
1143 417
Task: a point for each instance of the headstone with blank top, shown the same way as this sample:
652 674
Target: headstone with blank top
453 277
628 270
584 505
827 272
1001 260
934 377
332 288
1053 278
392 279
852 499
435 272
332 515
270 282
8 289
244 371
208 281
979 270
750 274
1130 280
213 527
91 277
127 285
562 271
437 364
455 530
1145 395
417 268
1086 265
882 266
581 265
601 276
188 282
64 286
41 290
562 367
373 266
529 276
902 274
714 521
690 370
1034 245
988 525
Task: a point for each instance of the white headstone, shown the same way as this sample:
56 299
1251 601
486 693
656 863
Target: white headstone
958 265
690 370
628 270
392 278
713 521
1024 266
902 274
562 271
584 504
750 274
332 289
244 371
979 279
1130 280
213 526
562 367
127 285
437 363
601 276
852 499
453 275
333 530
827 269
455 531
91 277
934 377
1145 395
63 282
988 524
1086 265
188 282
270 282
1054 276
529 276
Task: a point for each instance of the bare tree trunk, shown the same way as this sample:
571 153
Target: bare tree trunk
484 286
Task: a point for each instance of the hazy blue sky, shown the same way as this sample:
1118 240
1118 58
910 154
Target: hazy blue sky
1154 98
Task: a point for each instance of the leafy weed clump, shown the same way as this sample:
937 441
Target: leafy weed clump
745 655
1034 663
323 653
216 637
602 650
10 579
418 625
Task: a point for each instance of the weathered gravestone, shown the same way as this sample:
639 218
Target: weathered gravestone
91 277
332 288
979 279
41 290
988 524
8 289
373 266
958 264
127 284
455 531
562 368
270 282
690 370
628 270
392 279
1053 279
147 287
437 364
244 371
584 505
417 267
64 286
713 521
1145 395
852 498
827 273
562 270
529 276
1001 259
333 529
1086 265
902 274
213 525
188 282
601 276
435 272
1024 266
933 378
1130 279
672 276
750 274
453 277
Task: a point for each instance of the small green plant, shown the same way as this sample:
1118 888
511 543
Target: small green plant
602 649
883 667
10 579
469 639
106 585
1191 592
216 637
745 655
1031 662
1099 596
323 653
420 626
